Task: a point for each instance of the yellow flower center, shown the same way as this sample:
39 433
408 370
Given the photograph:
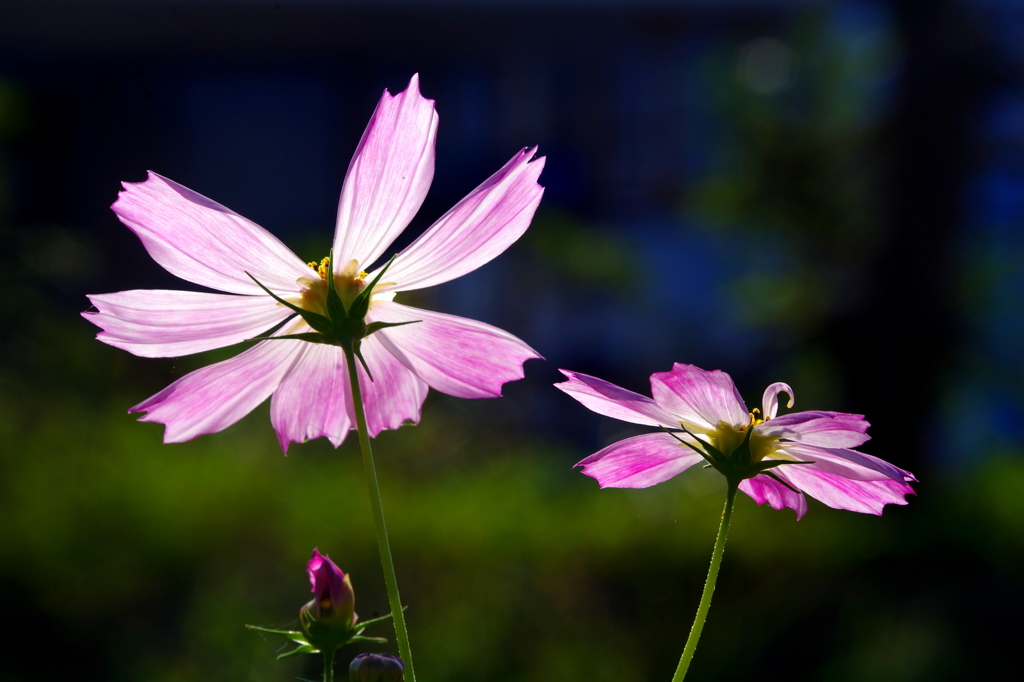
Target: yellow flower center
727 438
349 282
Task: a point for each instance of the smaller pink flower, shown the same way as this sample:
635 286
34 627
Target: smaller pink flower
774 459
334 602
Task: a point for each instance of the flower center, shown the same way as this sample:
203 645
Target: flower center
349 282
727 438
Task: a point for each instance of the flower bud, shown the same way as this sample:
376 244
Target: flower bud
376 668
334 601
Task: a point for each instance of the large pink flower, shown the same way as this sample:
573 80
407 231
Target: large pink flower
207 244
775 459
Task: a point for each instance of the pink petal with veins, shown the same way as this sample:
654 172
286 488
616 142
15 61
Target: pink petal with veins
156 323
850 463
640 461
314 400
839 492
698 397
476 230
203 242
388 177
825 429
455 355
395 395
215 397
608 399
766 489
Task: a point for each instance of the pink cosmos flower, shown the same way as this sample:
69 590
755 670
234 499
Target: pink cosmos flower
774 459
207 244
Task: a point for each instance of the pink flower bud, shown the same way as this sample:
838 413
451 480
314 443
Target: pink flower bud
334 601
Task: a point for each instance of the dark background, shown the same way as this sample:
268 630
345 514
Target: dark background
825 193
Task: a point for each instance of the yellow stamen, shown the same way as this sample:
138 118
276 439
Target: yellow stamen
323 268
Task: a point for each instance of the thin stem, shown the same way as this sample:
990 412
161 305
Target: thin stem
328 665
401 634
709 587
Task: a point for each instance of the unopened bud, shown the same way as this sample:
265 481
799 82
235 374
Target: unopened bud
334 602
376 668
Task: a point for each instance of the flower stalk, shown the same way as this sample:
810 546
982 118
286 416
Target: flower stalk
401 633
709 586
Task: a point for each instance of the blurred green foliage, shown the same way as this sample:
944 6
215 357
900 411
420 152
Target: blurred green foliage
151 557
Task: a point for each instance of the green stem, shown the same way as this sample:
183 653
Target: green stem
709 588
328 665
401 634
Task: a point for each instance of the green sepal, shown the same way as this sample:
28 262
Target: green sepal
335 306
304 649
361 304
276 327
293 635
740 457
706 456
375 640
311 337
377 326
361 625
715 454
314 320
357 350
772 475
764 465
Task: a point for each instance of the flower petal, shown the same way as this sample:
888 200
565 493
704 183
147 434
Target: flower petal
156 323
388 177
313 566
770 399
766 489
698 397
612 401
840 492
476 230
314 400
849 463
395 395
203 242
824 429
215 397
640 461
455 355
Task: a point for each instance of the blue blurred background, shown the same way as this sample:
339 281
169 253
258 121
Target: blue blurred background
825 193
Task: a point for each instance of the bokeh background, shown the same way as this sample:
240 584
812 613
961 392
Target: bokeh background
825 193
